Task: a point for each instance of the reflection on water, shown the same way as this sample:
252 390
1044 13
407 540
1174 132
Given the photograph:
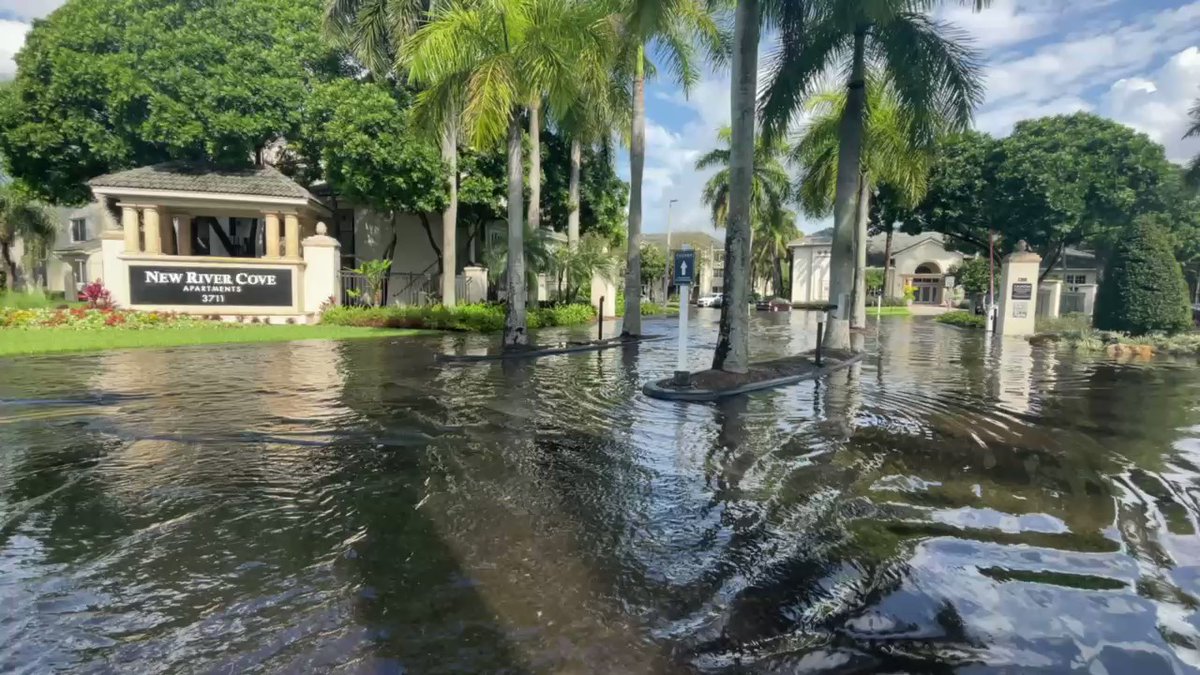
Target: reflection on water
949 504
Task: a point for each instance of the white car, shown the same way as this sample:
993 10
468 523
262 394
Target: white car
710 301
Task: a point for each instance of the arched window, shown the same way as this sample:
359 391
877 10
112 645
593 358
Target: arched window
927 268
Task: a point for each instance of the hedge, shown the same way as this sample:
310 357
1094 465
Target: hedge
470 318
1143 290
963 319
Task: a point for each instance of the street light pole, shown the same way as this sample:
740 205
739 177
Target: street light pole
669 205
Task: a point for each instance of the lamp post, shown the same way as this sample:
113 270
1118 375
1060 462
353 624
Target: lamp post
669 205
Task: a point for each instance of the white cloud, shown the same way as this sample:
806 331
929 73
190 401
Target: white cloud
999 121
12 36
29 9
1157 103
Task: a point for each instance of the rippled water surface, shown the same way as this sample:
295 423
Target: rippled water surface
950 505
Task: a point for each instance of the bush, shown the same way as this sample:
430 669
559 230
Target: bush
480 318
27 300
1073 322
1143 290
895 302
963 320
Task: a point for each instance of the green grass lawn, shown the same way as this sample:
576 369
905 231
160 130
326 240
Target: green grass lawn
20 341
888 311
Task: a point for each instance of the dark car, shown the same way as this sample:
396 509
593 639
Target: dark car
774 305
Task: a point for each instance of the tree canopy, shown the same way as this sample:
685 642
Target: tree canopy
104 85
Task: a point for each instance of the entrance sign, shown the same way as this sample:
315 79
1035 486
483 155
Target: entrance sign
216 286
1022 291
685 267
685 273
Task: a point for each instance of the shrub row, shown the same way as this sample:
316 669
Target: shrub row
479 318
963 320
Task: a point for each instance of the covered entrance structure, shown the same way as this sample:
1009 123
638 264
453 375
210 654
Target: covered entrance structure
196 239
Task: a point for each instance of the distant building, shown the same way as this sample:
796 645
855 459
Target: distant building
710 255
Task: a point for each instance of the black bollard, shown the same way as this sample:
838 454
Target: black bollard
820 339
600 321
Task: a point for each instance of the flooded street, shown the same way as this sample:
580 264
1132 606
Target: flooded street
948 505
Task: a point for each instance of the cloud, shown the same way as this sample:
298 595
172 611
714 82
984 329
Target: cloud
28 9
1157 103
12 36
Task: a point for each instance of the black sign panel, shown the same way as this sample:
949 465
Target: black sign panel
215 286
685 267
1022 291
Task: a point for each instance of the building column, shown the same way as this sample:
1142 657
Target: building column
272 249
291 235
184 224
152 219
129 224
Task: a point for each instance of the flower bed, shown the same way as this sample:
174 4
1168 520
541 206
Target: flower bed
94 319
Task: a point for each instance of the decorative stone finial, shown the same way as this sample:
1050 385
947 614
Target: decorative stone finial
1022 246
321 229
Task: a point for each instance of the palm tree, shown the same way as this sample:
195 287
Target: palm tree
373 31
673 26
770 184
935 75
498 59
23 219
772 234
1193 169
892 155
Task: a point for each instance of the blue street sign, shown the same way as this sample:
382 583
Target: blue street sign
685 268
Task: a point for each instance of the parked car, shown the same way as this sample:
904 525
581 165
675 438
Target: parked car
710 301
774 305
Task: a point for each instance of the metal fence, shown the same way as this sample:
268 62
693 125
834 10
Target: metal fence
400 288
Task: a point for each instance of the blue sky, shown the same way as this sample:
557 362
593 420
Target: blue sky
1136 61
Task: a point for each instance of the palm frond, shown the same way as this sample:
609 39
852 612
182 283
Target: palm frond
807 46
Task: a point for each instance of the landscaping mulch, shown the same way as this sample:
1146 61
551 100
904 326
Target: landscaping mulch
710 385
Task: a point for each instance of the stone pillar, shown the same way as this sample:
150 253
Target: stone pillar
169 241
1089 298
1053 306
291 235
272 236
1019 291
477 281
322 273
152 221
184 223
114 272
604 288
130 222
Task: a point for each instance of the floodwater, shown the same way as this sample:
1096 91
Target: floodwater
949 505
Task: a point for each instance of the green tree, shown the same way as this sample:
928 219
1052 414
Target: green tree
973 274
772 234
594 200
935 76
498 59
893 154
104 85
654 267
1073 180
21 218
670 29
576 266
373 31
360 134
955 203
1143 290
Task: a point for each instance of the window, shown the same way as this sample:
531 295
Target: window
1076 279
79 269
79 229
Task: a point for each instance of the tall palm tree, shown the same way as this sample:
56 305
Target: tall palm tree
500 58
673 27
772 234
935 75
373 31
23 219
770 184
892 154
1193 169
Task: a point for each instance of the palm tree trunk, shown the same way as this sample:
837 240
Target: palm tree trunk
887 260
632 323
449 257
573 193
733 340
535 165
859 318
777 282
515 333
845 213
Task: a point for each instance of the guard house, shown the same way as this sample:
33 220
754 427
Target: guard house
192 238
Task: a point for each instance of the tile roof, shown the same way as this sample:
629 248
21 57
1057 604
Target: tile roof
197 177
